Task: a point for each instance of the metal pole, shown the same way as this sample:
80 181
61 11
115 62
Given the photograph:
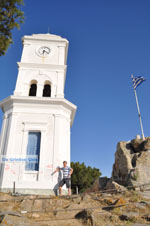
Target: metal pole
77 192
14 188
139 114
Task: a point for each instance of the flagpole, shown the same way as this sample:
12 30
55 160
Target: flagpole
139 114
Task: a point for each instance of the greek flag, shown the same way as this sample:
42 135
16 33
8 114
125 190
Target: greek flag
137 81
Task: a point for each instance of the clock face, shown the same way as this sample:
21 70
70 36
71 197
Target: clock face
44 51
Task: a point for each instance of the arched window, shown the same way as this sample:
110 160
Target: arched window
47 90
33 89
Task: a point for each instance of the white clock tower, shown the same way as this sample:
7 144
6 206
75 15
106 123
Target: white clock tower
35 136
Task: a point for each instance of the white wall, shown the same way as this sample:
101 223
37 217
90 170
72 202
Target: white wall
54 124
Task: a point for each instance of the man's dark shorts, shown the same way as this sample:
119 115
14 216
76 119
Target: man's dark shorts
66 181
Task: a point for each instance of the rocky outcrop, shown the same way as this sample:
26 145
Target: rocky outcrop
99 184
132 163
113 187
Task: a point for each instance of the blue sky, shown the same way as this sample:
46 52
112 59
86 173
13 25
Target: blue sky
108 40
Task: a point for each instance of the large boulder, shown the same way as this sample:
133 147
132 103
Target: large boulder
132 163
123 164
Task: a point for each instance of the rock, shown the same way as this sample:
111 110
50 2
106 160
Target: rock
120 201
16 221
129 216
95 186
145 195
141 206
99 184
135 144
10 213
26 205
145 145
77 199
139 224
134 159
35 215
113 187
147 217
139 145
145 203
132 163
87 217
86 197
83 214
102 182
106 195
122 165
38 205
113 204
5 196
139 176
109 201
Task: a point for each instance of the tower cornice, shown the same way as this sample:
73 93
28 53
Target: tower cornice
12 100
42 66
44 37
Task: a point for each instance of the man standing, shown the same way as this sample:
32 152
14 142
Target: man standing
67 171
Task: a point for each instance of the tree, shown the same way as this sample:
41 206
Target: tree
83 177
10 17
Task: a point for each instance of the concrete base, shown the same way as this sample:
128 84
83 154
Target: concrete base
34 191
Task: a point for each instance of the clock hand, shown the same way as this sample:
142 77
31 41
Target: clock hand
44 51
